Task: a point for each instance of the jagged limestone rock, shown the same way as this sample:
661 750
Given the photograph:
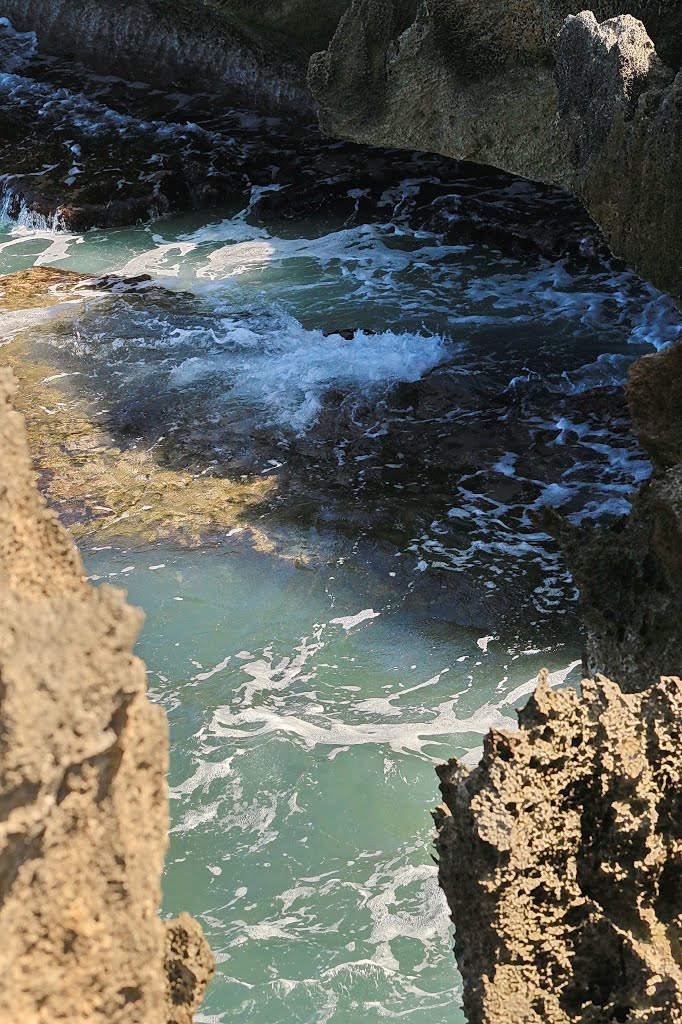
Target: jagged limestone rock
189 967
83 796
561 859
622 108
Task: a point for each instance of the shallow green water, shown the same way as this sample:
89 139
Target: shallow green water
302 775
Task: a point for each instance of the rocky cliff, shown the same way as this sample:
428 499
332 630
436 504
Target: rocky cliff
251 53
561 858
536 87
83 800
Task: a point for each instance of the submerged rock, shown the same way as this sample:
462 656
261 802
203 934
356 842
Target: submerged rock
561 858
431 476
97 478
83 795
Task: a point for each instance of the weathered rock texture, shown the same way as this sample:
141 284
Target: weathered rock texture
584 105
561 858
251 52
83 801
189 966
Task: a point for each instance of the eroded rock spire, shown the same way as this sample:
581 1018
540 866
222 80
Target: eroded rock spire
83 796
561 859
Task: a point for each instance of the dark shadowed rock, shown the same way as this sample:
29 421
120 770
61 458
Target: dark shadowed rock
630 573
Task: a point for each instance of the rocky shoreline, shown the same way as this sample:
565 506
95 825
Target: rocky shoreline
560 853
545 90
560 858
598 89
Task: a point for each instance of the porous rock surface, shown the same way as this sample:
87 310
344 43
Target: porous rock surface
561 858
83 799
540 88
189 966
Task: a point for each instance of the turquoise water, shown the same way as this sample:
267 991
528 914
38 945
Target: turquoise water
304 729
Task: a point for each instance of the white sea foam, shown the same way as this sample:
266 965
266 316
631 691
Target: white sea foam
403 737
555 679
286 373
428 920
267 673
351 621
55 245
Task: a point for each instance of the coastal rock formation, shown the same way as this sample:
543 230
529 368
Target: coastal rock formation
189 966
587 106
561 858
83 800
587 101
548 91
255 54
561 854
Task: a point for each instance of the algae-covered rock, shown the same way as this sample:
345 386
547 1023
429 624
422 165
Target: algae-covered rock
100 481
561 859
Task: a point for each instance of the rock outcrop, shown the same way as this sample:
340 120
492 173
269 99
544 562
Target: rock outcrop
83 800
189 966
535 87
561 858
561 854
